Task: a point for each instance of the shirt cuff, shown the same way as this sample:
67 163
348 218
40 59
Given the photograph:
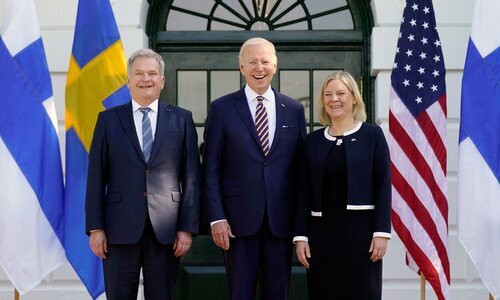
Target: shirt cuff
217 221
382 234
300 238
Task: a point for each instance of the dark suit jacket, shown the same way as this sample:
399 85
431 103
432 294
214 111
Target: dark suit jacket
240 183
368 176
122 189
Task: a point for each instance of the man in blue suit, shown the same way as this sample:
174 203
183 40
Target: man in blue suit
143 188
252 143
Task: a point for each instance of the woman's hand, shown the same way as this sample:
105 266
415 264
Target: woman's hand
378 247
303 253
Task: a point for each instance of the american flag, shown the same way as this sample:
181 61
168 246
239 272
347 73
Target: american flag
417 126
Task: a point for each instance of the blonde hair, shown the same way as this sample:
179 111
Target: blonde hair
253 42
358 108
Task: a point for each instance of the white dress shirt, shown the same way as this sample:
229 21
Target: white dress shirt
270 104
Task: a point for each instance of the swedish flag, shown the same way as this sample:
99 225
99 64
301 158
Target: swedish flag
96 81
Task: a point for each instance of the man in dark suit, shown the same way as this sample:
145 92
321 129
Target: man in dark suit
143 187
252 142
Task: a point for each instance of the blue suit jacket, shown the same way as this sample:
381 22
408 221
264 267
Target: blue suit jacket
368 176
240 183
122 189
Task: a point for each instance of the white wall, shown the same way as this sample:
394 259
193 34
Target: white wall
57 19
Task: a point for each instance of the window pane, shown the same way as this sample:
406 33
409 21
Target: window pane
223 82
296 13
203 7
295 26
244 10
192 93
296 85
219 26
222 13
282 6
179 21
315 7
339 20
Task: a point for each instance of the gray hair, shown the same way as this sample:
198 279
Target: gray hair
256 41
146 53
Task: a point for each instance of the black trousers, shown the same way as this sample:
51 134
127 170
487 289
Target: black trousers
123 265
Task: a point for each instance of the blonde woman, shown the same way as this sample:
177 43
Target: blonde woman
344 210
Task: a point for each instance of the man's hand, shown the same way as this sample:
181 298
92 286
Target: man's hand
99 243
378 247
303 252
182 243
221 232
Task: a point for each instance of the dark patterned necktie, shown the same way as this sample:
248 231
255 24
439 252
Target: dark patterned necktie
262 126
147 133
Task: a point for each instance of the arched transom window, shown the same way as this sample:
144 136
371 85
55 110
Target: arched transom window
236 15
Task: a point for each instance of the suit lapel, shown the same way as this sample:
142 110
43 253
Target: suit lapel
127 120
241 104
280 109
321 149
164 111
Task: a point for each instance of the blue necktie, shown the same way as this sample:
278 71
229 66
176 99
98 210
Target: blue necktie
147 133
262 126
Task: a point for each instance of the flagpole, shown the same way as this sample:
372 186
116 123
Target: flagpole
422 286
16 294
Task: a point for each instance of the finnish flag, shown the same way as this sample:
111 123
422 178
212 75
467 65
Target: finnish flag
479 146
31 186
